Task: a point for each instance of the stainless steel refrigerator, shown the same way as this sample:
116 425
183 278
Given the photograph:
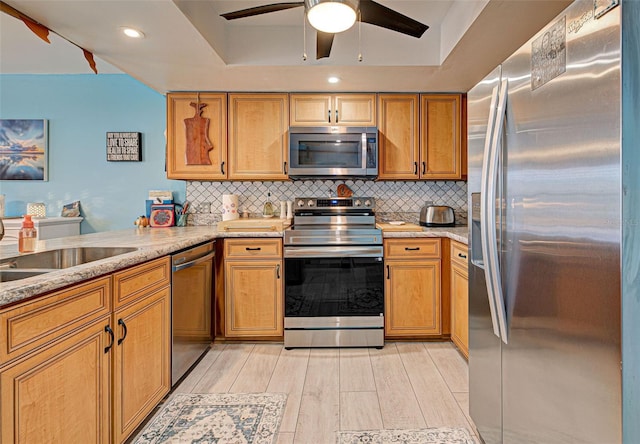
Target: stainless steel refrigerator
545 182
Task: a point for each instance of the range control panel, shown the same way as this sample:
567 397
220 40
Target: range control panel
343 203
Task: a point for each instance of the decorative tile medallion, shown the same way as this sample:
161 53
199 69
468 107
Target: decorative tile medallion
217 418
442 435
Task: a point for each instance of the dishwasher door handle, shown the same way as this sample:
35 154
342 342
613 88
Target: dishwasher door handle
189 264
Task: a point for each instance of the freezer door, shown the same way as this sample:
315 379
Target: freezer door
561 368
485 394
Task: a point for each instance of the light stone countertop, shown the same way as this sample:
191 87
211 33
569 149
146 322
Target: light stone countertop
151 244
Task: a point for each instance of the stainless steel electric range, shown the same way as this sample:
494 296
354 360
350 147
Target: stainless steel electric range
334 274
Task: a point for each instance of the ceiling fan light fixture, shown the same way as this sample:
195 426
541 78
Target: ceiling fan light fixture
331 16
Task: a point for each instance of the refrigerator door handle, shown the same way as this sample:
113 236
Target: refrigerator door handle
490 220
484 226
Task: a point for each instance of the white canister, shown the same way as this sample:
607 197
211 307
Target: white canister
283 209
289 209
36 209
230 207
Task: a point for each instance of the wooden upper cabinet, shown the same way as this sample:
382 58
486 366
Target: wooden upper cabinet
197 141
398 137
440 136
333 109
258 136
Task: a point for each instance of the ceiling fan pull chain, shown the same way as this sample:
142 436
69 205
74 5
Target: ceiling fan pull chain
304 37
359 36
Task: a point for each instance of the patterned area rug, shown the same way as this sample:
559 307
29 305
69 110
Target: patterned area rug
217 418
443 435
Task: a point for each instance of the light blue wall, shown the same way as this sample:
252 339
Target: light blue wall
80 110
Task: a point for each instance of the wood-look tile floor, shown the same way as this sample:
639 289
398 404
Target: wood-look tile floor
405 385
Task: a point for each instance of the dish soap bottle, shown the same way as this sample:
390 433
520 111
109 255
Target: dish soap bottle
267 209
27 236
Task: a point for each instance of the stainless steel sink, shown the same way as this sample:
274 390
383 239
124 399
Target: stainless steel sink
57 259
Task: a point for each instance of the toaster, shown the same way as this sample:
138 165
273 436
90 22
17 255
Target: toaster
437 216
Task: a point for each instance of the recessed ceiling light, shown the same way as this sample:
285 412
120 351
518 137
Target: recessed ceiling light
333 79
133 33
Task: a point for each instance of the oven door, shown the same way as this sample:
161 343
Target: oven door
334 281
334 297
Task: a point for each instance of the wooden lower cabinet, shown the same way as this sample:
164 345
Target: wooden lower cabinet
94 374
253 276
142 360
459 298
60 394
412 288
254 304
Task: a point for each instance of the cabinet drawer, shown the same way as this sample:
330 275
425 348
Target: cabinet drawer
253 248
459 254
411 248
30 325
138 281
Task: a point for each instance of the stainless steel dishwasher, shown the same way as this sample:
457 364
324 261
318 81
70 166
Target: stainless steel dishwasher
191 307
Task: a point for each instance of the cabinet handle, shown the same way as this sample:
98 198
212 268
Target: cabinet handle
463 256
222 167
412 249
415 168
108 330
253 249
336 116
124 326
278 271
285 168
424 167
329 112
388 273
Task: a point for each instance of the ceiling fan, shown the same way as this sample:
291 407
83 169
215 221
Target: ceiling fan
332 11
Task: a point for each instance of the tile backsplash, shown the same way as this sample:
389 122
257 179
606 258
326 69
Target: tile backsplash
394 200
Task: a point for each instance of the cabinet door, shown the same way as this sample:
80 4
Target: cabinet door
440 128
142 364
61 393
460 308
354 109
412 298
311 110
398 138
209 131
253 298
258 136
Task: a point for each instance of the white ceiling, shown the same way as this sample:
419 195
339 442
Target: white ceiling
188 46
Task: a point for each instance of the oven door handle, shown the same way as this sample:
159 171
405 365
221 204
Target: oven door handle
324 251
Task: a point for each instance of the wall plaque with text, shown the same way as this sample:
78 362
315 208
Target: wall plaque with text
123 147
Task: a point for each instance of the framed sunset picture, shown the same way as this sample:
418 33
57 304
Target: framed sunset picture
23 149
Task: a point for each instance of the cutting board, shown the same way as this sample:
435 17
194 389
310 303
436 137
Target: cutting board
254 224
385 226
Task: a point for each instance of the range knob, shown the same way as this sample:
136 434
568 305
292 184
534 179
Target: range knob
358 203
310 203
301 203
367 203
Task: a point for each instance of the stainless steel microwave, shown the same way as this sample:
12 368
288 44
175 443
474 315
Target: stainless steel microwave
333 152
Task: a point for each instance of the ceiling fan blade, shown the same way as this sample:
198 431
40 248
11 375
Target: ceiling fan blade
260 10
376 14
324 41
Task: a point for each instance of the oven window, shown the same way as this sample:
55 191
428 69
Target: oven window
327 154
334 287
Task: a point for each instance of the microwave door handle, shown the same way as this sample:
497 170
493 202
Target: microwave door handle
363 162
